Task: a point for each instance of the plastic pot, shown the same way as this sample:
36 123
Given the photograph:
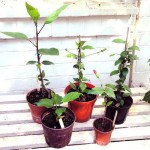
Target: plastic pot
122 111
35 110
82 110
57 138
103 135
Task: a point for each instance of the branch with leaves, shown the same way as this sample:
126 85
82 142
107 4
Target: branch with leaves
124 64
35 16
81 48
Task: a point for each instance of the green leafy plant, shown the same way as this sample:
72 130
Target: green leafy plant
81 48
55 102
123 63
105 91
35 16
147 94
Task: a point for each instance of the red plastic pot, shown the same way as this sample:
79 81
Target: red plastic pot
57 138
82 110
103 137
35 110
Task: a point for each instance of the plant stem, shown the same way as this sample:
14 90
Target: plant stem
38 58
41 28
79 62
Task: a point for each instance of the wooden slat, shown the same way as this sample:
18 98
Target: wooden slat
13 117
33 128
127 145
77 138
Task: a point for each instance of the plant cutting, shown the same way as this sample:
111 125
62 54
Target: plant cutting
41 91
103 126
58 121
83 106
147 94
121 104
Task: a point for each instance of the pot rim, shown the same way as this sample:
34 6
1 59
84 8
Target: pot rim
87 83
28 94
100 130
74 118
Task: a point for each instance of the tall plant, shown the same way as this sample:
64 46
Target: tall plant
35 16
123 63
81 47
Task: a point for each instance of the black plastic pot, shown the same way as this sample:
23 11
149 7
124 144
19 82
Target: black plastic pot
58 138
122 111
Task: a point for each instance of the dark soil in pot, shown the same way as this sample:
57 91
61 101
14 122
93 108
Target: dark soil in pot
85 97
35 95
122 110
103 125
50 120
54 135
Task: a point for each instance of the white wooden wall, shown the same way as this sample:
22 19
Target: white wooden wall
99 29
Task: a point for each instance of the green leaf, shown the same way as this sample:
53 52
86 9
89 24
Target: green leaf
112 55
124 72
109 103
126 94
70 55
124 53
73 86
80 75
147 97
119 41
111 86
60 111
82 55
47 83
82 43
43 73
81 65
110 93
82 86
133 48
104 49
17 35
127 88
57 99
31 62
48 103
87 47
148 61
118 61
114 72
51 51
96 90
76 79
54 15
71 96
46 62
45 79
33 12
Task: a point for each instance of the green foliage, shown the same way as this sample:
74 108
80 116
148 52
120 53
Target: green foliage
16 35
123 62
33 12
51 51
79 65
147 97
54 15
56 100
35 16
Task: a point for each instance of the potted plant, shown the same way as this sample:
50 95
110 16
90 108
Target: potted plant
57 121
123 101
103 126
147 94
83 106
41 91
